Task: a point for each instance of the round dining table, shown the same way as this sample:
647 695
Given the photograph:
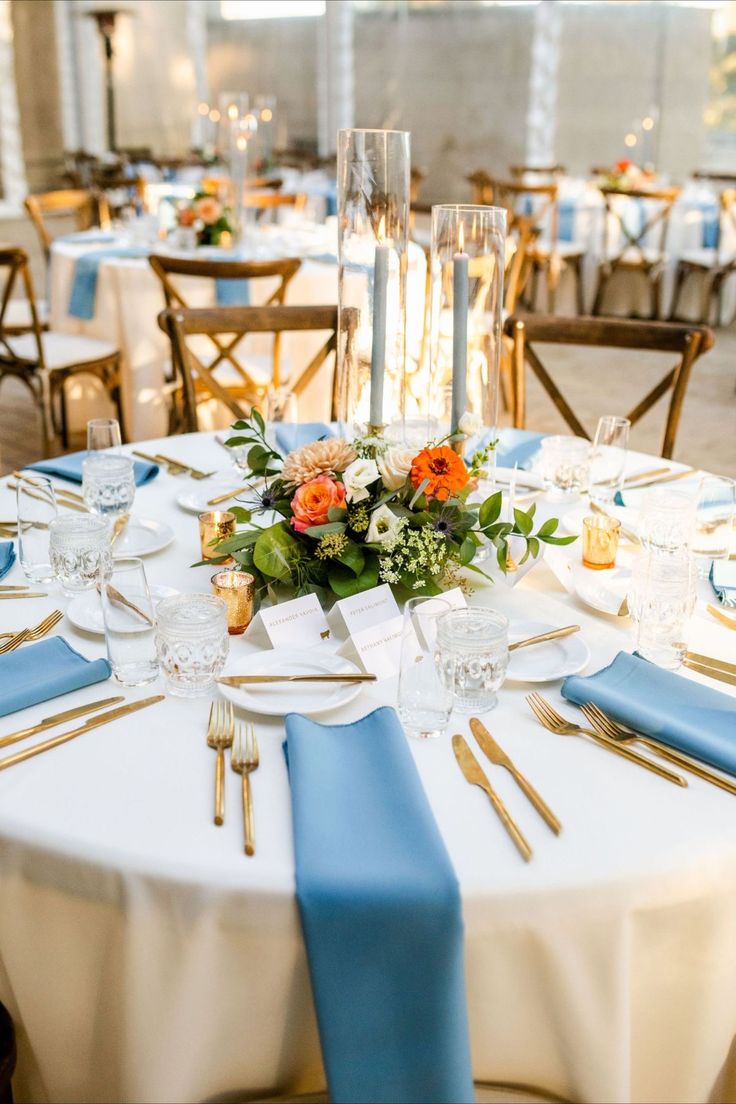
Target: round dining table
145 957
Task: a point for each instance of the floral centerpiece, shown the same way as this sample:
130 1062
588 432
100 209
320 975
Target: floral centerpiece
626 176
206 215
353 514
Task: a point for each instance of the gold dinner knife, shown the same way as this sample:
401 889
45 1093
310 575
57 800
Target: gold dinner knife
716 673
474 775
498 756
93 722
252 680
58 718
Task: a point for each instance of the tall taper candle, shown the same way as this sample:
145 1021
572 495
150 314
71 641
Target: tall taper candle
378 352
459 335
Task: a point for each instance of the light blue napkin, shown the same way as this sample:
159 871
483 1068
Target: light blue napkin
679 712
292 435
91 237
38 672
86 271
7 557
70 467
232 293
723 581
517 446
381 915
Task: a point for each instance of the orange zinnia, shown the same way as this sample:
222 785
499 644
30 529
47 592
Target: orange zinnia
444 470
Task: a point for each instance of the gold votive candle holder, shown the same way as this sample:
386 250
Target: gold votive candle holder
215 525
600 541
237 590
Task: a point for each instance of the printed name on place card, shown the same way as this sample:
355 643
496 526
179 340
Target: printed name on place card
300 622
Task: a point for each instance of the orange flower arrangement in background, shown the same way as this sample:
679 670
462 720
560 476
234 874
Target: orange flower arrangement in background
443 469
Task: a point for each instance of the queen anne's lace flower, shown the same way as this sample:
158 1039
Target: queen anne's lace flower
317 458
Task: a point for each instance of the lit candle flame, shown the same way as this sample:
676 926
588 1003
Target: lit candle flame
382 229
461 239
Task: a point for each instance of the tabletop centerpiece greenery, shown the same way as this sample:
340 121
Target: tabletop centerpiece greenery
354 514
208 217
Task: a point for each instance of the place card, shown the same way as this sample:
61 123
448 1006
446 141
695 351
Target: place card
299 623
377 648
362 611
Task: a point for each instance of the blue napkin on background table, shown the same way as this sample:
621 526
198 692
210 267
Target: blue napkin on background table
676 711
291 435
7 557
89 237
38 672
723 580
516 446
86 270
70 467
381 915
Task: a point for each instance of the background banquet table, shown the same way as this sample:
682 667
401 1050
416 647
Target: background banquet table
144 958
129 299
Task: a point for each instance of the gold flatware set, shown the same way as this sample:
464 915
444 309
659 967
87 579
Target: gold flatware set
729 622
70 499
14 640
234 493
223 733
717 669
174 467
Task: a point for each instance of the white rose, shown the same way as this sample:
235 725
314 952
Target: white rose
470 423
357 476
383 525
394 466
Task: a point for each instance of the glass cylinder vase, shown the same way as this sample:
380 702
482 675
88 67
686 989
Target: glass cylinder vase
467 267
373 229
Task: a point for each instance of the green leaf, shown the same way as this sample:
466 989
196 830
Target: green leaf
328 527
258 458
258 419
232 442
467 551
241 514
502 555
533 545
352 557
337 513
344 583
548 527
276 552
558 540
523 522
490 510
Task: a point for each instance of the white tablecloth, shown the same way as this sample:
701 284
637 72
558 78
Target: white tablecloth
144 958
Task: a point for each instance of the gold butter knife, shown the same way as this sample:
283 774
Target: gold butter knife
499 757
57 490
252 680
24 594
474 775
93 722
58 718
234 494
553 634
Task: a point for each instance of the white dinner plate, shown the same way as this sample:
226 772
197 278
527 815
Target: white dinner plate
85 611
278 699
196 499
555 659
141 536
603 590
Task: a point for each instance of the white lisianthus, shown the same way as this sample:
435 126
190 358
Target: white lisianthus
470 423
384 526
357 476
394 465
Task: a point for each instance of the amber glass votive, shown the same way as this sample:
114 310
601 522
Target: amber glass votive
215 525
237 590
600 541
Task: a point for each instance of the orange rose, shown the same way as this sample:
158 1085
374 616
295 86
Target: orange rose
312 501
442 468
186 216
208 209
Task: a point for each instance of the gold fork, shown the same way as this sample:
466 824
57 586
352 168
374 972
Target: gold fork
553 721
244 760
41 629
14 642
608 727
220 736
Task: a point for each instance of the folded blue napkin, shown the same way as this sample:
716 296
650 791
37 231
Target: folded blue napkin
70 467
7 557
38 672
292 435
86 271
679 712
723 581
232 293
381 915
517 446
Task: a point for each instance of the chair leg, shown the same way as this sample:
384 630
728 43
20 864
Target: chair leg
577 269
599 292
680 275
656 297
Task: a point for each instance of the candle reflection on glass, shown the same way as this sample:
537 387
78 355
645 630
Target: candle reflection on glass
459 332
378 351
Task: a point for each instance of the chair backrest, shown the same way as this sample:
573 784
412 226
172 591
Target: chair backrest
227 326
537 202
549 172
15 270
687 341
284 270
482 187
79 202
648 232
261 201
519 260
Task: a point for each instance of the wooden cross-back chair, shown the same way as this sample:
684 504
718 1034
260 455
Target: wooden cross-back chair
228 326
167 268
85 206
44 360
714 265
640 248
687 341
549 172
260 202
481 187
549 256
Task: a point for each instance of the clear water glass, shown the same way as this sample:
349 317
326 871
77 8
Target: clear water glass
565 464
608 458
80 551
473 654
666 521
661 602
424 701
715 507
192 642
128 615
108 484
36 508
103 433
